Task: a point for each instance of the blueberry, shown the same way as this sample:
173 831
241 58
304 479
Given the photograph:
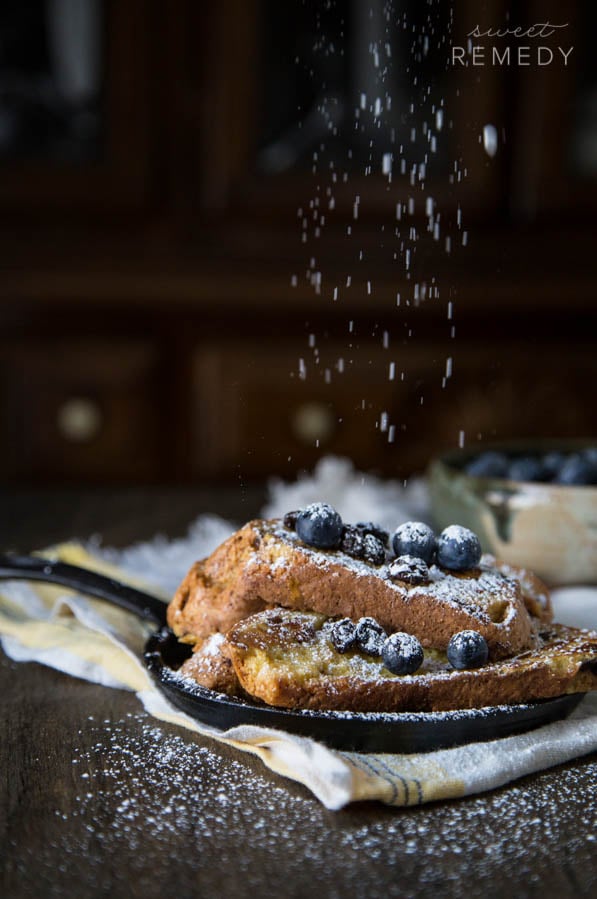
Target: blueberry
458 549
362 546
352 541
527 468
552 462
402 654
590 454
289 520
489 464
370 636
409 569
343 634
414 538
373 550
576 470
467 649
319 525
369 527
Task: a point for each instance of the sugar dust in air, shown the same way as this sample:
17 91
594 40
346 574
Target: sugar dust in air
386 183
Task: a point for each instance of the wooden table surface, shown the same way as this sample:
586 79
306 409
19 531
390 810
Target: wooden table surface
98 799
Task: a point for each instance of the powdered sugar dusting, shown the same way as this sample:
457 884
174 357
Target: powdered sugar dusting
213 645
319 512
160 789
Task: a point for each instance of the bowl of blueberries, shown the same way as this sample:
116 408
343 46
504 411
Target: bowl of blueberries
532 505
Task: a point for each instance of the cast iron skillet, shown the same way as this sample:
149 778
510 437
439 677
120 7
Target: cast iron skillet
358 731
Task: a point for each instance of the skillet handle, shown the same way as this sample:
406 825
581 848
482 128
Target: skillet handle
32 568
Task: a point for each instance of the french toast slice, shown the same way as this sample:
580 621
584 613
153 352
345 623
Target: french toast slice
286 658
211 667
265 565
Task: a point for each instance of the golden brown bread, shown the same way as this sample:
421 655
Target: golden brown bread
265 565
287 659
211 666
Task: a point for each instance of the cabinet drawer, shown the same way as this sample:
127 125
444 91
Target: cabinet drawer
79 410
254 415
273 410
513 390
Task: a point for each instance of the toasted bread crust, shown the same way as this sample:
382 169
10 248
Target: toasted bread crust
286 659
265 565
211 666
534 592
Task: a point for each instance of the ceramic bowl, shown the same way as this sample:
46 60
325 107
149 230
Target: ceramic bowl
548 528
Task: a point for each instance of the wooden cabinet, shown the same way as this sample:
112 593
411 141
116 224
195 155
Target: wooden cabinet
280 407
159 285
77 128
260 409
554 170
80 409
513 389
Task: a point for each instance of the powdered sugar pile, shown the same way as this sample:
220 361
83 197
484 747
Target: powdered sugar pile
164 562
355 495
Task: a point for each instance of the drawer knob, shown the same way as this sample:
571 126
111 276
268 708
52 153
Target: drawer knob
313 422
79 419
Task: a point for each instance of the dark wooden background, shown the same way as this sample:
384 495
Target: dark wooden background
149 331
